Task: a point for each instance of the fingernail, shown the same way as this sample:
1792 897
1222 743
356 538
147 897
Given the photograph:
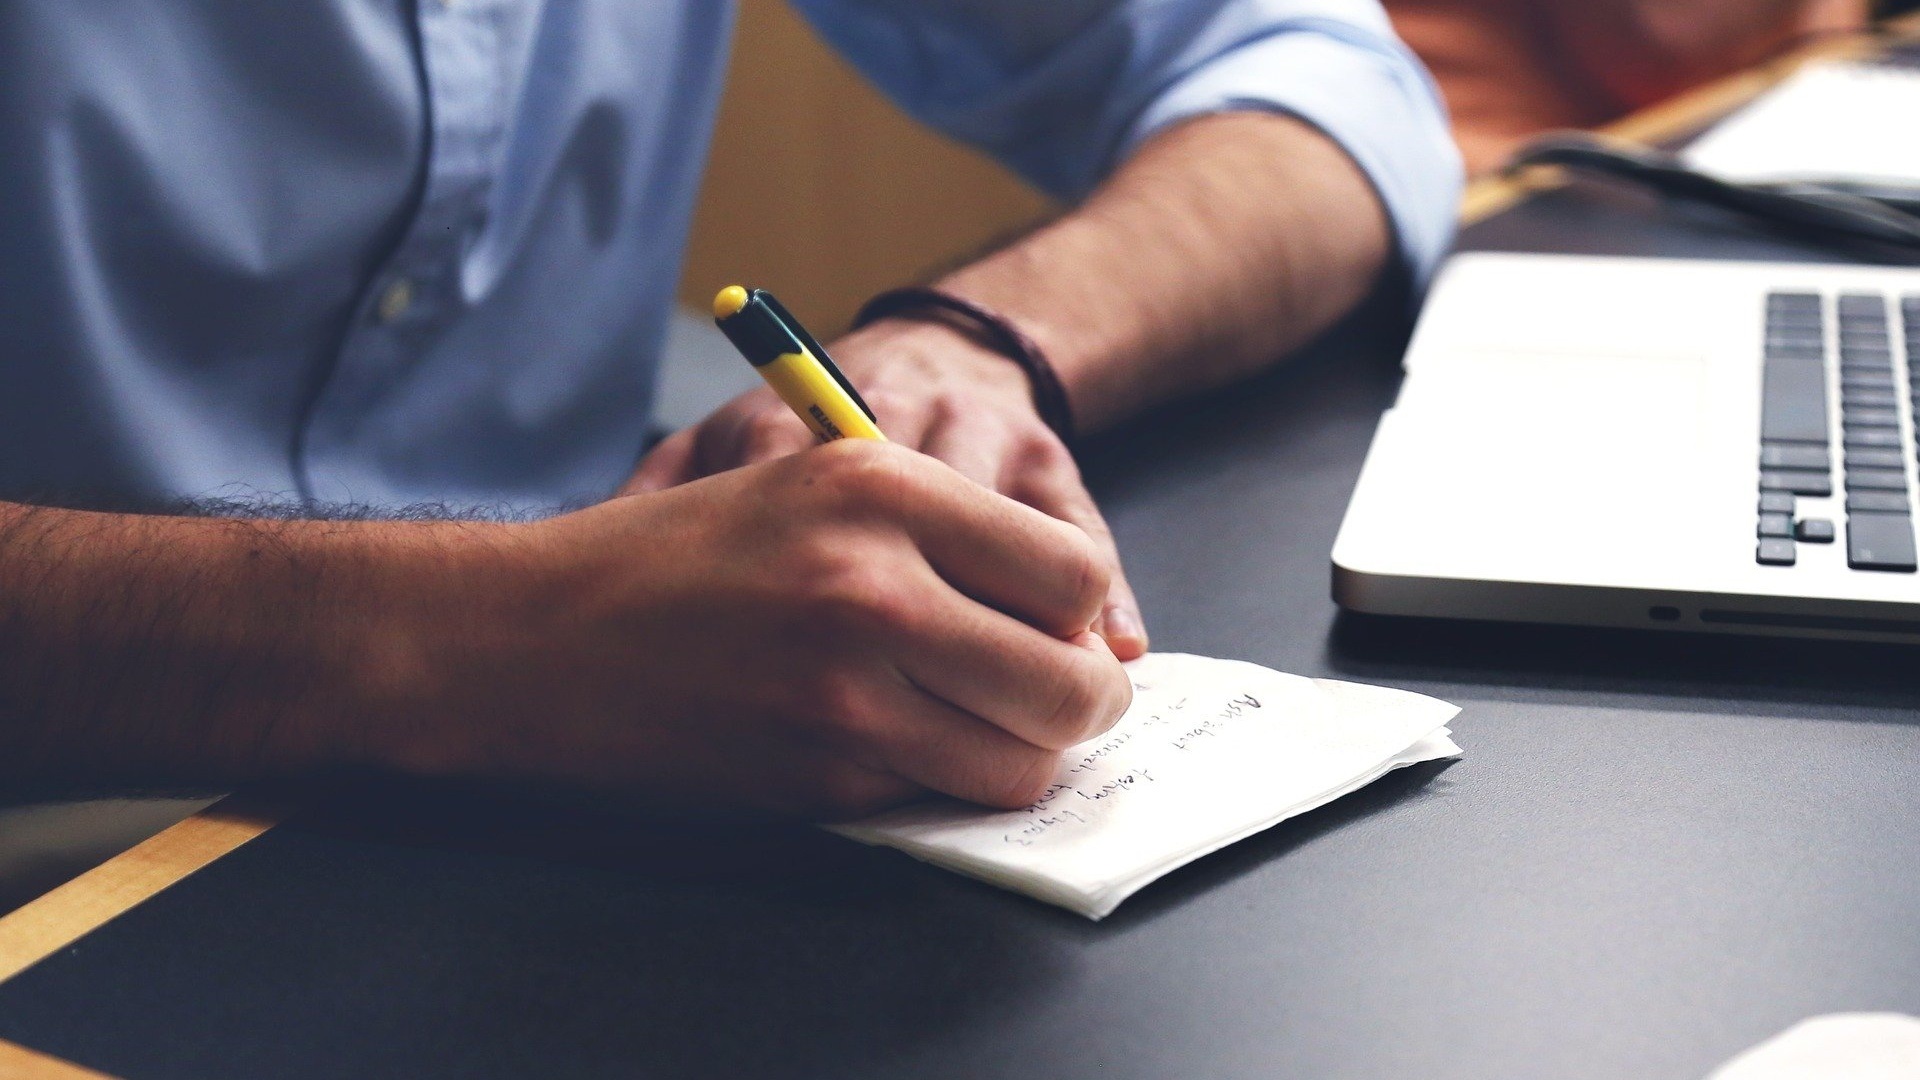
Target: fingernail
1123 625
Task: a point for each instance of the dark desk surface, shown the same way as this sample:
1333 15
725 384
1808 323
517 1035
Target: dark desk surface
1657 851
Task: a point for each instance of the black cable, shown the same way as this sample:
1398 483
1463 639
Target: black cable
1833 211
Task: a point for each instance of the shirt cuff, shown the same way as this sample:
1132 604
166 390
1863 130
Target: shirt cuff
1370 96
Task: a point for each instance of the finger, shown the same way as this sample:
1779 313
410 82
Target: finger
1039 689
668 464
769 433
977 446
906 419
747 432
1058 492
931 743
989 547
834 789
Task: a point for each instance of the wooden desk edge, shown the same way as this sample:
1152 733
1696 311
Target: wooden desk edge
19 1063
81 906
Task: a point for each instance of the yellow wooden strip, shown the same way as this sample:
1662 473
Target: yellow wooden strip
1681 115
1490 195
19 1063
89 901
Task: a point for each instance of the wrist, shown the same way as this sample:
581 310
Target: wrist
988 329
434 608
907 353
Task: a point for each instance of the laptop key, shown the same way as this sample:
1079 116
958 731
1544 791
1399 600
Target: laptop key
1868 399
1890 502
1813 531
1776 502
1794 402
1775 552
1776 525
1796 456
1866 379
1861 304
1877 480
1808 325
1859 418
1875 459
1878 438
1797 481
1793 350
1880 542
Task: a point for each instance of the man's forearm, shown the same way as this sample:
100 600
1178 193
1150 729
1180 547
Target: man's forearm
181 651
1223 244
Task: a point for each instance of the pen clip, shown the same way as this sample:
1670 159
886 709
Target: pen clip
819 351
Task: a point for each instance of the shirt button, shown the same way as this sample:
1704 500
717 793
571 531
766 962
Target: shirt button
395 299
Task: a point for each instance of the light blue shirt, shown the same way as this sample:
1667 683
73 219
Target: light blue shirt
395 251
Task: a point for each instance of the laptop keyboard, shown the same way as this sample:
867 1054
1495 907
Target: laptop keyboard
1809 335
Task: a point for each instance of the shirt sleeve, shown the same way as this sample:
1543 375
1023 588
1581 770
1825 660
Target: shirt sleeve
1061 90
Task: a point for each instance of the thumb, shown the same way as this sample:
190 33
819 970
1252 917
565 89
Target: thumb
668 464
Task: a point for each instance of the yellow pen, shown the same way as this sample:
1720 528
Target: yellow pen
794 364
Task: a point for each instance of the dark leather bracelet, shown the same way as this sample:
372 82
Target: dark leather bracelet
991 329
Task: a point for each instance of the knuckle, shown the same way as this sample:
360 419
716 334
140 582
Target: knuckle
1090 704
1077 707
767 432
864 474
891 404
1026 781
843 791
850 596
1118 699
837 699
1088 569
1047 453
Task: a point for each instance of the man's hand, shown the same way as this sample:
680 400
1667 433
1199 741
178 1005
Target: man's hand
1261 232
936 391
824 634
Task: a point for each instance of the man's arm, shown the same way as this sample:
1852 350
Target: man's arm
169 651
1221 246
818 635
1265 159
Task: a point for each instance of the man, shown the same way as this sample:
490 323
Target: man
372 253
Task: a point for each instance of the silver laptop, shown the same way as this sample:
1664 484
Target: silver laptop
1720 446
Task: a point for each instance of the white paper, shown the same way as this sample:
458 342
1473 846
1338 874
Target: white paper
1838 1046
1210 751
1828 121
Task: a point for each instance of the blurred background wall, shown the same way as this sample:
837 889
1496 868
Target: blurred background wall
823 192
1513 68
